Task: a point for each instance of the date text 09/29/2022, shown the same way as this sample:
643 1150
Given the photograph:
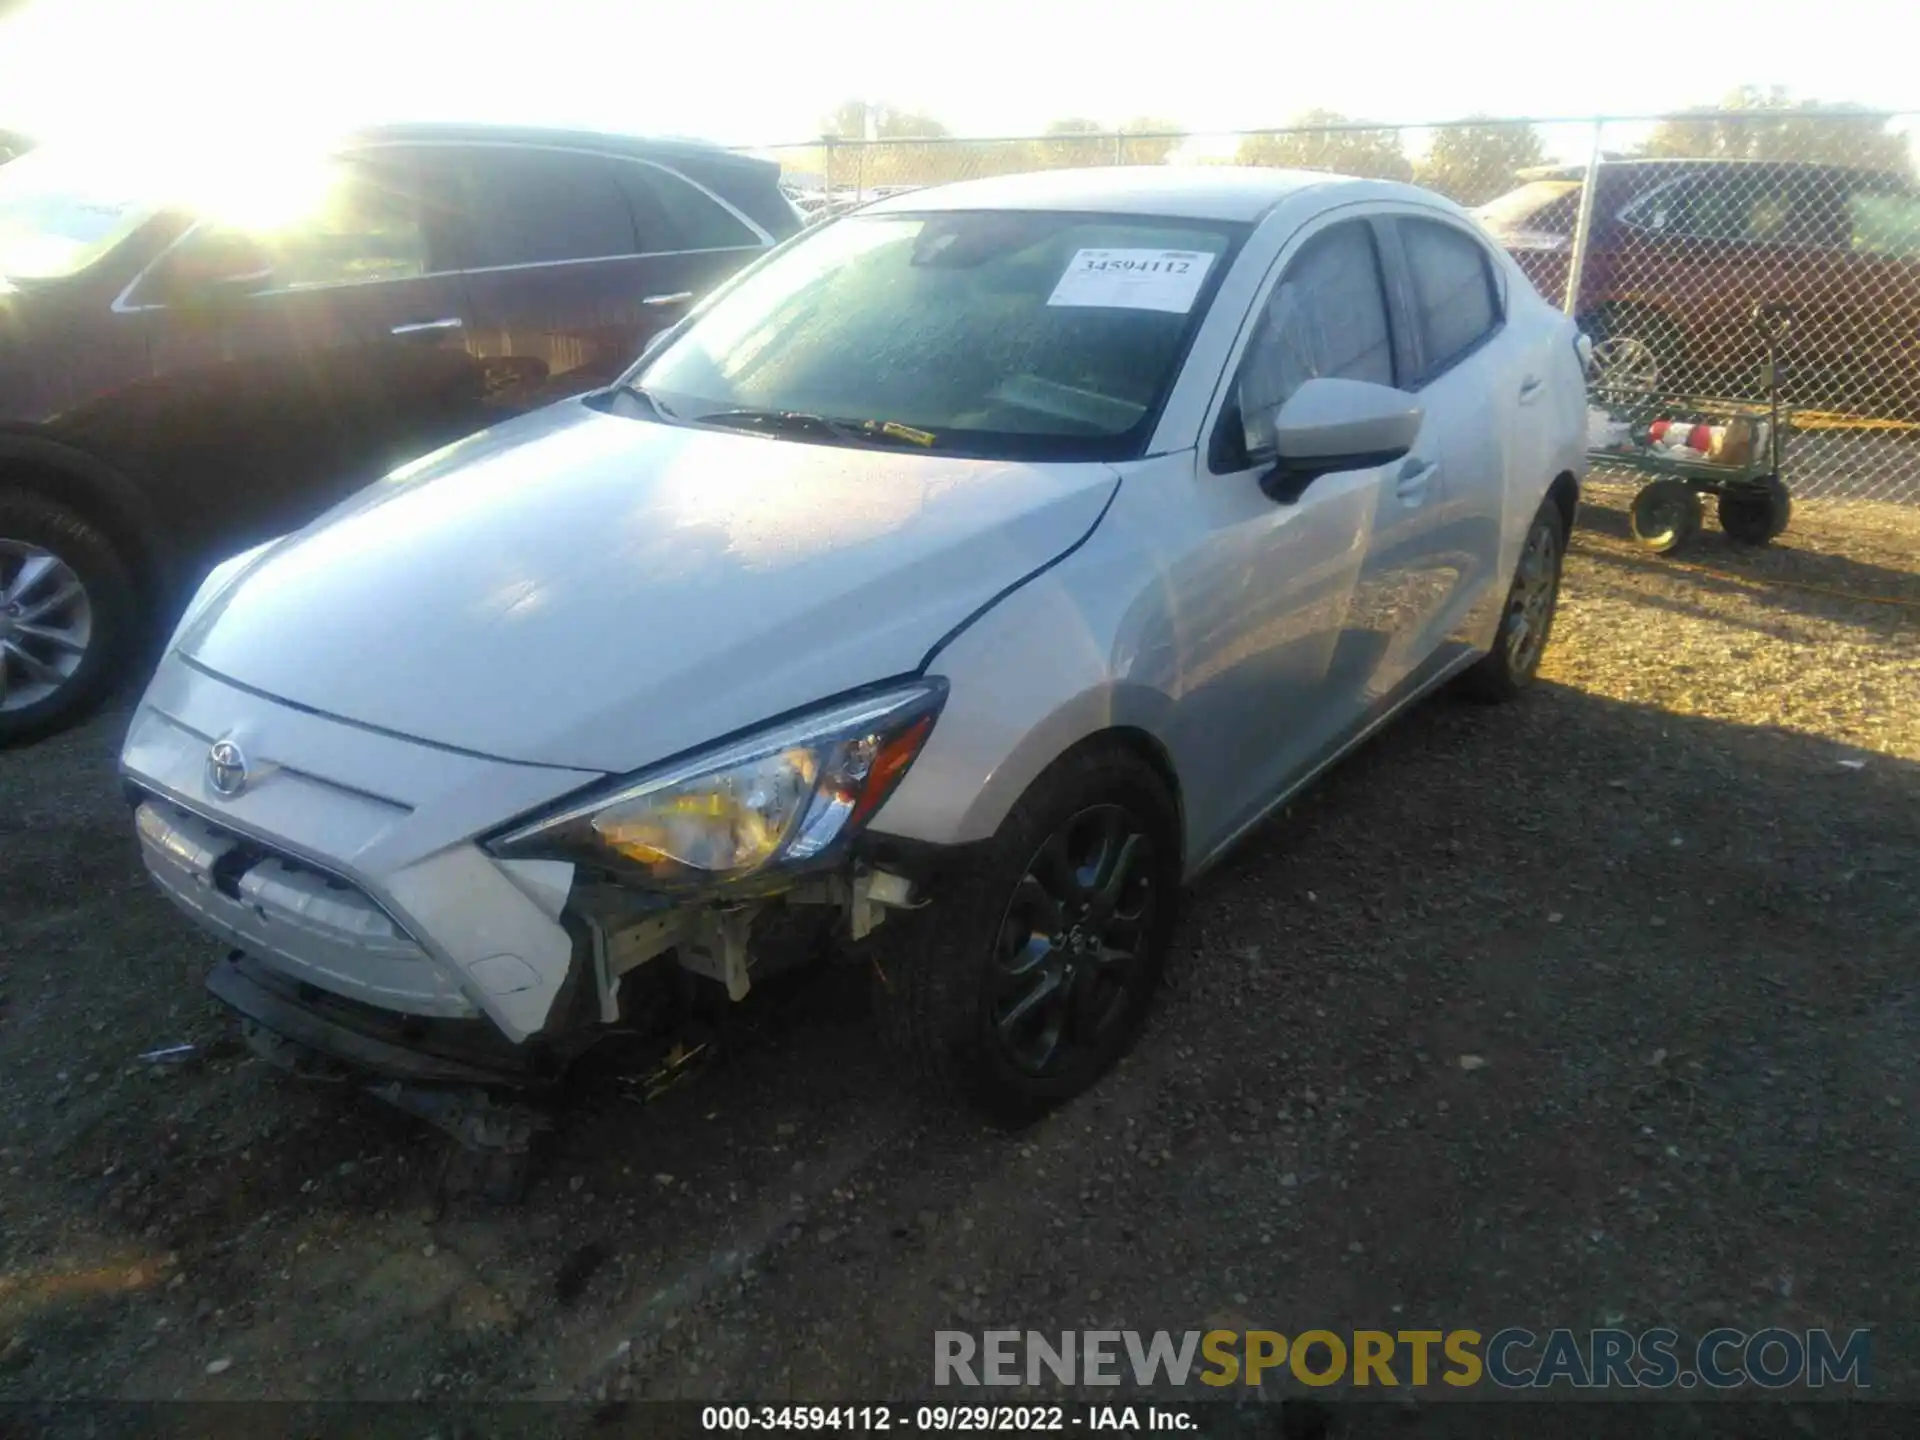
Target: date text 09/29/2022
921 1419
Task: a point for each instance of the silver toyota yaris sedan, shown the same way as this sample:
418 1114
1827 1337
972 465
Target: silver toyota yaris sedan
946 591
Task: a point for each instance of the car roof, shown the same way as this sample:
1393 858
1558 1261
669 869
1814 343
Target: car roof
641 147
1578 170
1196 192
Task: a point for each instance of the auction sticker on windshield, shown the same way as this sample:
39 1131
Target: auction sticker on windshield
1133 279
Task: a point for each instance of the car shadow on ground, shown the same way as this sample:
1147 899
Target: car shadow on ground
1677 953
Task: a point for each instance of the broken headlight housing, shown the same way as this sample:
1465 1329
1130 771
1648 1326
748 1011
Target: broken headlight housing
786 798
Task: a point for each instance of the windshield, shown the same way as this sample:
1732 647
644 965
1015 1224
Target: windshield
56 219
997 333
1545 205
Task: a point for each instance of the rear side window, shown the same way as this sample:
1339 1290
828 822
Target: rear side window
1326 317
531 207
692 219
1455 303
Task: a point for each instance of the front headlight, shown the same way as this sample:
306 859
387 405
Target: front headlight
788 797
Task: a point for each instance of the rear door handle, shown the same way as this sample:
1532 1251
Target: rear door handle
422 327
1530 389
1414 477
679 297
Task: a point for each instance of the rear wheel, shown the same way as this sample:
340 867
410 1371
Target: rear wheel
1755 514
66 613
1023 982
1527 622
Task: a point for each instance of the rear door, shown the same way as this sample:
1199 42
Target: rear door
1435 557
293 365
575 259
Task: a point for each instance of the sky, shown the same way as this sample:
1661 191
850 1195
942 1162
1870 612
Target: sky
748 72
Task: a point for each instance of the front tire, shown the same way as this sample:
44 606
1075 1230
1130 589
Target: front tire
1527 621
67 612
1033 971
1664 515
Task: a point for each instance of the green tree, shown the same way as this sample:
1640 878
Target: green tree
1310 145
894 159
1149 141
1472 163
849 122
1073 143
1780 129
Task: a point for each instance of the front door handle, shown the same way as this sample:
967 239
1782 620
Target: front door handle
1530 389
423 327
679 297
1410 485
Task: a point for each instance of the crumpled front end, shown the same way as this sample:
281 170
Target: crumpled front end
377 917
340 863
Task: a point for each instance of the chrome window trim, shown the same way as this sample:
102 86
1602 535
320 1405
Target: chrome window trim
124 305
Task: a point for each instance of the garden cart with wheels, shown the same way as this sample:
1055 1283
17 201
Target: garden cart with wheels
1730 449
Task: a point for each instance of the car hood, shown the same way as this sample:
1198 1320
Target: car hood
584 590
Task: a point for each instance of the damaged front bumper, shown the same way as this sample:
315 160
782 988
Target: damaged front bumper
369 933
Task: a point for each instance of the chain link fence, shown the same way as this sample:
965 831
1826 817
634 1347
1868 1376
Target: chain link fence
1663 235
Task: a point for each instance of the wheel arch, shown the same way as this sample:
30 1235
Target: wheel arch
1565 494
962 794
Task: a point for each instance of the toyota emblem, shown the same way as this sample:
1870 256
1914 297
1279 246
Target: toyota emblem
226 769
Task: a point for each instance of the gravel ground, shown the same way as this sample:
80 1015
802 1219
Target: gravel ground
1667 902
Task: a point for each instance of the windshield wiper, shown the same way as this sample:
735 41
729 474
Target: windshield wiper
801 422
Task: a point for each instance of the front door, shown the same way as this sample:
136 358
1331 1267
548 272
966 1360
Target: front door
292 366
1274 653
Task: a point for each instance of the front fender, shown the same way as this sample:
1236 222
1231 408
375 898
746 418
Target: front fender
1029 680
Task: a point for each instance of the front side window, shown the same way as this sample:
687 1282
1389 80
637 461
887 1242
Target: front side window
362 222
992 333
1453 291
1739 205
1326 317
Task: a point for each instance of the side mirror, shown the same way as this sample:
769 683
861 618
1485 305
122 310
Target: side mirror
1329 425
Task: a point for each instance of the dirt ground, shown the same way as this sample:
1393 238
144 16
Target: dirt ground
1668 901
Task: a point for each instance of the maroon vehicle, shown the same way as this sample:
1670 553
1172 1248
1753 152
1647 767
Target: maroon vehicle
1681 253
175 386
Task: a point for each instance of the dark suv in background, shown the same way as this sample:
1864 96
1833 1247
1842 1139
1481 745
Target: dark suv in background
175 387
1681 252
